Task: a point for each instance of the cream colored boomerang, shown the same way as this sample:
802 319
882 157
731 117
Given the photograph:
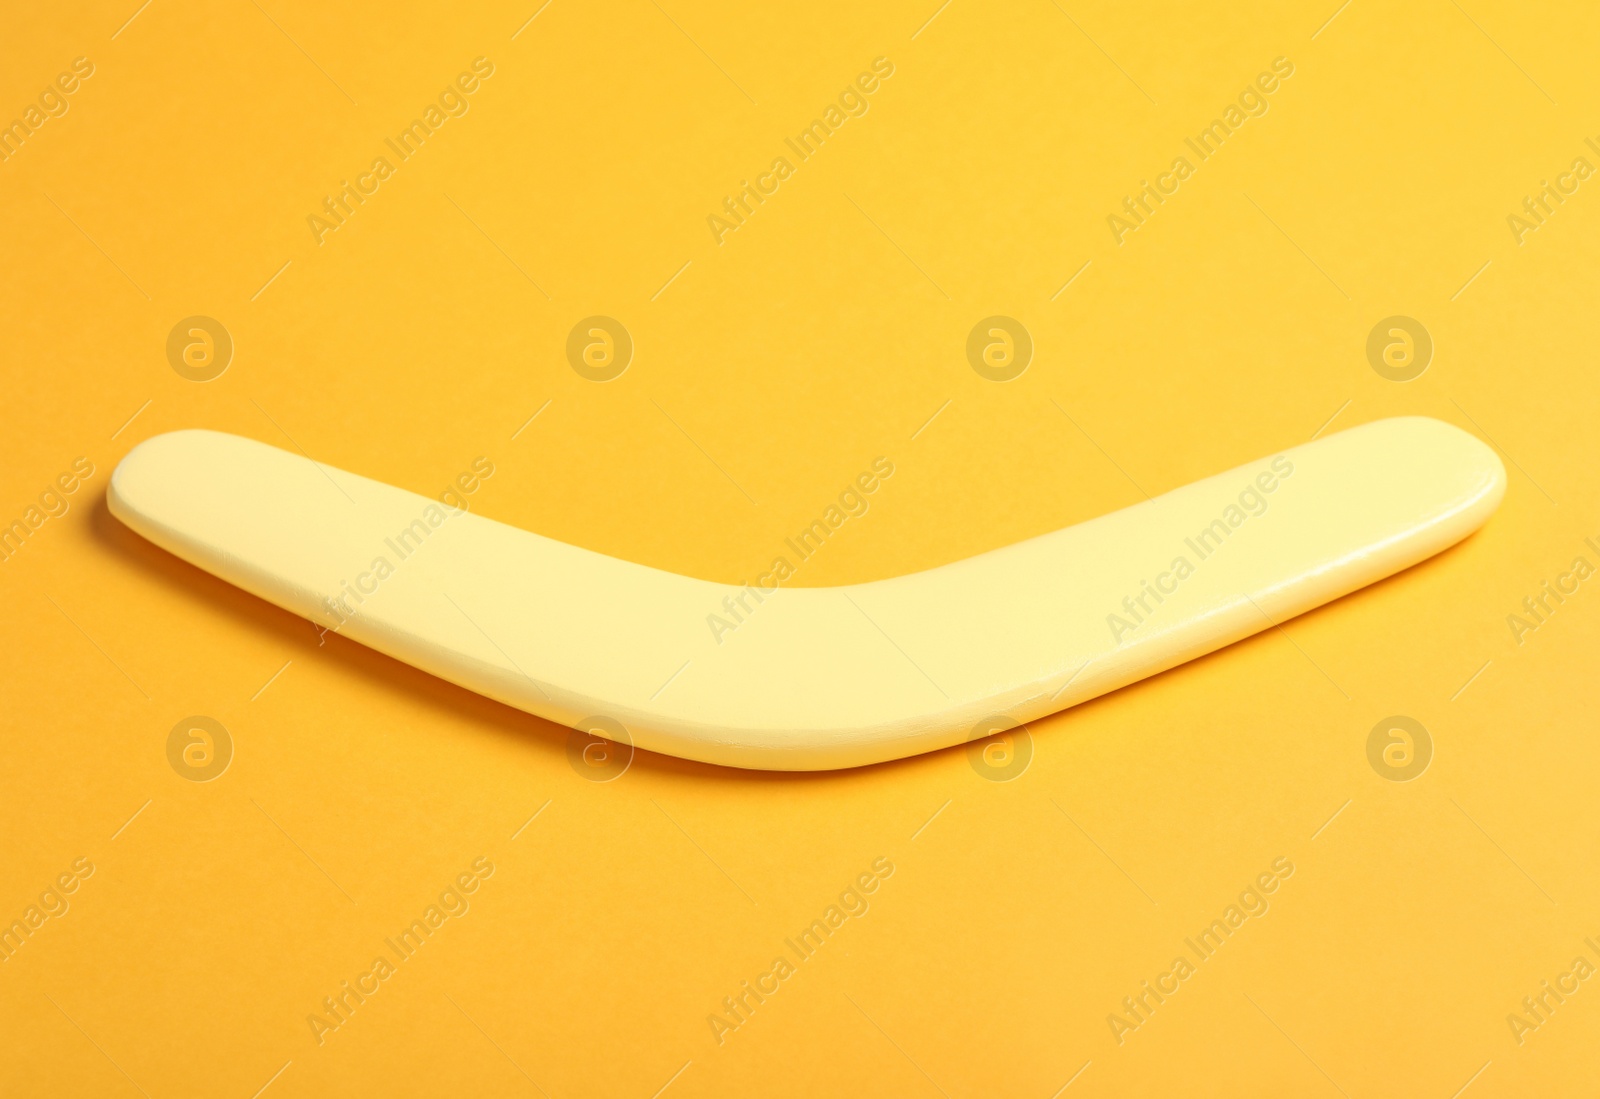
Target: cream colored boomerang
814 678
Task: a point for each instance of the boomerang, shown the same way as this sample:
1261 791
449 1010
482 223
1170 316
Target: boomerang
814 678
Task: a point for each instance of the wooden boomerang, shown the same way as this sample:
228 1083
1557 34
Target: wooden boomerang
814 678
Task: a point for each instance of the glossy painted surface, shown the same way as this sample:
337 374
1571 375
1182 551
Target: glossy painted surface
813 678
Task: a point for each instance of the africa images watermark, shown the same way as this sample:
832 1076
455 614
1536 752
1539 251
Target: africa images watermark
1541 205
1539 1007
999 748
1252 904
339 1008
452 102
852 904
1399 348
199 748
599 748
999 348
1540 607
1399 748
53 504
52 904
199 348
853 503
51 103
403 544
851 103
1252 102
1252 501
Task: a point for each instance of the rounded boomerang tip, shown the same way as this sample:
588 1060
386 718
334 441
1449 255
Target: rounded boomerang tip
815 678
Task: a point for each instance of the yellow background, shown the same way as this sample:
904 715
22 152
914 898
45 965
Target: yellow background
779 364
